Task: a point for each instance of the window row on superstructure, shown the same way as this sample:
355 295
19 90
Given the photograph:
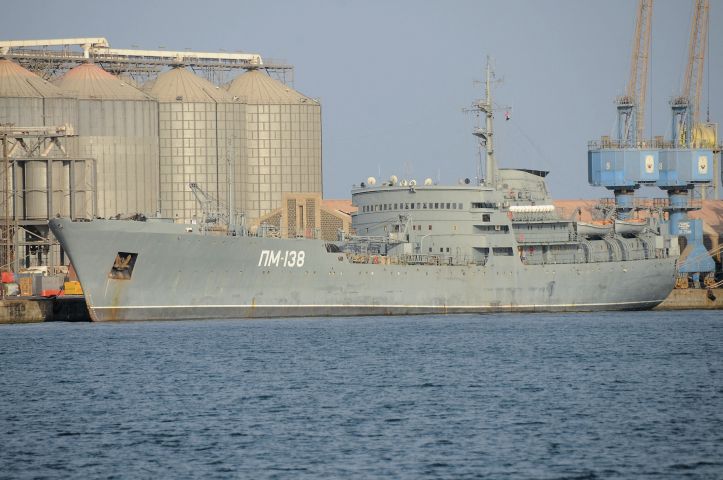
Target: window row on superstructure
383 207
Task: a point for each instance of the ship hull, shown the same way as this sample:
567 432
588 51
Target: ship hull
183 275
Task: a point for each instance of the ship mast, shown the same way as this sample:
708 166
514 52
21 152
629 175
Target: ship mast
486 134
491 166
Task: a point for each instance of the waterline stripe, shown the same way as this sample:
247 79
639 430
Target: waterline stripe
132 307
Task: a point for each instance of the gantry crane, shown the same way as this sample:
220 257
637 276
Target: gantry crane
687 162
629 162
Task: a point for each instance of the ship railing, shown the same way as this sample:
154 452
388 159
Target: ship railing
268 230
414 259
652 203
646 143
366 258
426 259
366 244
536 216
532 237
690 204
406 259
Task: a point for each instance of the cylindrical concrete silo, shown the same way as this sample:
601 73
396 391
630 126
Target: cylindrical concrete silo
118 126
26 100
202 137
283 141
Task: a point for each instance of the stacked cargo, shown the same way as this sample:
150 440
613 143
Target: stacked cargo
8 284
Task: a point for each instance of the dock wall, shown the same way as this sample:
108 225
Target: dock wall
36 310
693 299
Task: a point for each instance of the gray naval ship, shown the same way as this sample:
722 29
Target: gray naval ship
497 245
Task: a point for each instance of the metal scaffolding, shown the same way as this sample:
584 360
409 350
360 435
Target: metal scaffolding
38 153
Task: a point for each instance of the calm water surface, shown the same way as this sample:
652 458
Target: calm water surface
612 395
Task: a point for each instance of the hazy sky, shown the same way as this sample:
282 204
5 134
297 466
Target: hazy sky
394 76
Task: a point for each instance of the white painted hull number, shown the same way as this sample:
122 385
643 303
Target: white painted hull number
281 258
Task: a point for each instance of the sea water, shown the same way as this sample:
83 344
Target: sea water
597 395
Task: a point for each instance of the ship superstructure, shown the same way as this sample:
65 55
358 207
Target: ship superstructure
476 225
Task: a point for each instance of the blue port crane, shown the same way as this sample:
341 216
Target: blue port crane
629 161
686 161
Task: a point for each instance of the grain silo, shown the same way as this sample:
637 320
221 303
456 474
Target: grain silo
118 126
201 134
26 100
283 141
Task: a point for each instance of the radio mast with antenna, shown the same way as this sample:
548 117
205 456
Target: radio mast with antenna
486 133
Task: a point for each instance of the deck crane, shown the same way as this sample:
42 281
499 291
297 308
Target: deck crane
628 162
214 217
210 207
686 163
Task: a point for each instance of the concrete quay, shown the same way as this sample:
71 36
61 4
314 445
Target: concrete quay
42 309
693 299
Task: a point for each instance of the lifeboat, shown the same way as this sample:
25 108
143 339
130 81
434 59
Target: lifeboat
596 228
630 226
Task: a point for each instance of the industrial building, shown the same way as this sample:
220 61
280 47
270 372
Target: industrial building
202 139
137 127
307 215
42 174
117 124
283 142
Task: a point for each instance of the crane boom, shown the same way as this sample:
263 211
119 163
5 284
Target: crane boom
686 106
638 83
693 80
214 218
631 105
